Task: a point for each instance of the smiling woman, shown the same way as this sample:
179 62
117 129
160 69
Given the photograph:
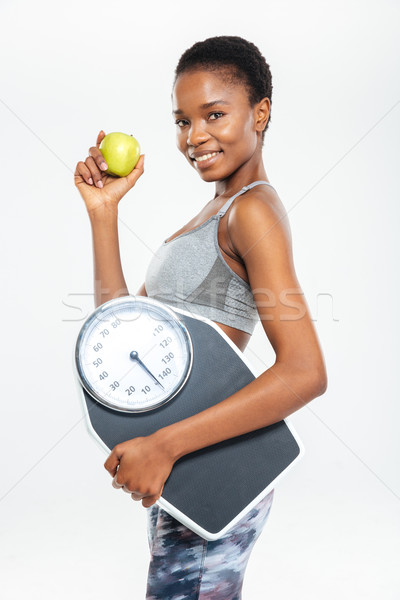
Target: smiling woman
232 263
215 135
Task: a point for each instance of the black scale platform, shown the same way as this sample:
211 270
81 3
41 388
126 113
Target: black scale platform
211 486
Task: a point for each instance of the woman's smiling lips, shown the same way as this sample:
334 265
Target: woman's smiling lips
204 159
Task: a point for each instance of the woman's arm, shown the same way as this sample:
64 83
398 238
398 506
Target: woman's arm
102 194
260 234
109 280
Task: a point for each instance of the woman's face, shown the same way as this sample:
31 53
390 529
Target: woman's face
216 126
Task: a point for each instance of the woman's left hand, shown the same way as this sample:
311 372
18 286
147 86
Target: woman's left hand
140 467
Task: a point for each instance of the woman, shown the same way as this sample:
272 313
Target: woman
231 263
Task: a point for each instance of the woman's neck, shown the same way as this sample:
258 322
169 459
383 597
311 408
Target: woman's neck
247 173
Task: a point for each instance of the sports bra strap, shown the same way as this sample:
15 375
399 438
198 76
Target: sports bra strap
244 189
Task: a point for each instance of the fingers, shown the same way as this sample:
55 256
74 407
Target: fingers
94 171
134 175
112 463
95 162
125 488
115 483
98 158
140 163
100 137
150 500
136 496
83 171
147 501
91 170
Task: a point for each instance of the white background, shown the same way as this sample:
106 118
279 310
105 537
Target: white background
68 70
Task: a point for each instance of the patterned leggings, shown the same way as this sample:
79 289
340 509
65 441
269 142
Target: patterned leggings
184 566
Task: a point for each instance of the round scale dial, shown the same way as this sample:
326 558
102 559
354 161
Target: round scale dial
133 354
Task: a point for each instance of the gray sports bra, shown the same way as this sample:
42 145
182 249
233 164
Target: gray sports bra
189 272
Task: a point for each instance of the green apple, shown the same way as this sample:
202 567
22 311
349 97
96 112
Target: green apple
121 153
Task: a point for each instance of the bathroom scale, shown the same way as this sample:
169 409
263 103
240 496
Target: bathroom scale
141 365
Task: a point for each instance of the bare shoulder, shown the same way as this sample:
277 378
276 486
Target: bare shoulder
258 215
260 232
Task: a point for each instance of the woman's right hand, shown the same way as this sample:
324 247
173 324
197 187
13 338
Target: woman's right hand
98 189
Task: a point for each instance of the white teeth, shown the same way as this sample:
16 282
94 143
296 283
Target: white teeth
206 156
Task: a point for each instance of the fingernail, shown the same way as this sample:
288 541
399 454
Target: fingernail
104 165
100 184
91 181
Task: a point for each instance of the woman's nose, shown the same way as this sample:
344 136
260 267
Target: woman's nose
197 134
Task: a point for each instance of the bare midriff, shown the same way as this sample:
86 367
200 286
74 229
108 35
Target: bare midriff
238 337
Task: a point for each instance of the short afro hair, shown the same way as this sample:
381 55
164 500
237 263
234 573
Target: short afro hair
242 58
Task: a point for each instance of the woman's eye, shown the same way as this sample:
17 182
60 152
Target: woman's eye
216 115
180 122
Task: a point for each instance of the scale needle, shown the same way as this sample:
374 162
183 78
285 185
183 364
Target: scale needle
135 356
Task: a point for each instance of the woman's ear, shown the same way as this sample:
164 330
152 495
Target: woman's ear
261 113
